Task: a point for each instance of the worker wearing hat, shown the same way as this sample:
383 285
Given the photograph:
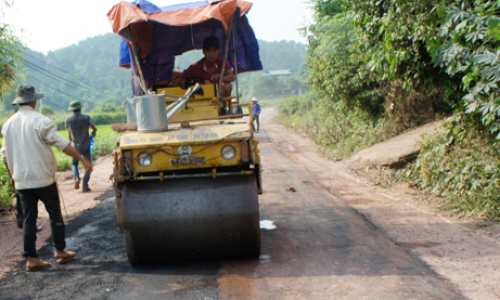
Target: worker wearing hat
27 153
256 112
78 126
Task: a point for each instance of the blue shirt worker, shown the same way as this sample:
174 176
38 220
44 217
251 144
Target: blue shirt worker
29 158
78 126
256 112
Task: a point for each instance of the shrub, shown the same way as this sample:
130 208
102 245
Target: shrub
6 190
463 166
105 145
109 118
99 119
108 107
47 110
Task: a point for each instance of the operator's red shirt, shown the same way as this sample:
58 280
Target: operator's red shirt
198 69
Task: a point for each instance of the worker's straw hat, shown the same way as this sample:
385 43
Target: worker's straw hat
25 93
74 105
254 99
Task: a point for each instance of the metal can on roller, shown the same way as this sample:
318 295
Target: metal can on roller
151 113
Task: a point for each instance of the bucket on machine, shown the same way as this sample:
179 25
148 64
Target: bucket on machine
151 113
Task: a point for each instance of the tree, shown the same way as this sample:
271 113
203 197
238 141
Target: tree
10 50
323 8
266 86
467 46
337 68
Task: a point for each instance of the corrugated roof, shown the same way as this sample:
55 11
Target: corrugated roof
285 72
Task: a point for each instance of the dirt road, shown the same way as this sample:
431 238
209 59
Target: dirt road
321 248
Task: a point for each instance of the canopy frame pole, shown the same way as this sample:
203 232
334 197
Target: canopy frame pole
143 81
226 54
235 50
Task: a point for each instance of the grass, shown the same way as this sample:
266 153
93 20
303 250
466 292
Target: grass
339 130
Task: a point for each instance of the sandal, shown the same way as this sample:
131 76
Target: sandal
41 266
64 260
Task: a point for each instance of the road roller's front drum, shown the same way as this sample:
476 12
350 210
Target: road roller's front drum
191 219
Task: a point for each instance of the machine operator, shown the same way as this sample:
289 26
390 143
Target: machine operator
210 67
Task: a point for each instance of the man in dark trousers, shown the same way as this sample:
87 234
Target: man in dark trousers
20 214
28 156
78 126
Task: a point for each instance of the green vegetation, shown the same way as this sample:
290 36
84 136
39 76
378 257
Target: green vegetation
10 50
463 166
340 131
6 190
377 68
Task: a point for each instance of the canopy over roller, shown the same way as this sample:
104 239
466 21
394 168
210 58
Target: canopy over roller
157 35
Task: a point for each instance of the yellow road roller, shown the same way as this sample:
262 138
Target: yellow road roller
187 178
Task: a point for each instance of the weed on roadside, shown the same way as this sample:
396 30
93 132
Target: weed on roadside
340 131
6 190
462 166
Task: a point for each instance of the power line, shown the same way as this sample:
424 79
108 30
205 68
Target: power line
45 101
52 88
64 71
57 78
42 70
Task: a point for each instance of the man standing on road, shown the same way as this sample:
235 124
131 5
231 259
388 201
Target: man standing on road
27 153
78 126
256 112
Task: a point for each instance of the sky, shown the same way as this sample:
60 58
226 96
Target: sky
53 24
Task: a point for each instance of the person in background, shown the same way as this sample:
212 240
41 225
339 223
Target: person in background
256 112
78 126
28 156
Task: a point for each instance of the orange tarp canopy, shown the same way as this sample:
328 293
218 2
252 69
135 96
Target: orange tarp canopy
124 14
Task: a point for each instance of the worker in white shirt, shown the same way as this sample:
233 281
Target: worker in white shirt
28 155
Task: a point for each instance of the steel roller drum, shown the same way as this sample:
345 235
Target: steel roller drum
191 219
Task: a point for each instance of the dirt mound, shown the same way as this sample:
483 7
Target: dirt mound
399 150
